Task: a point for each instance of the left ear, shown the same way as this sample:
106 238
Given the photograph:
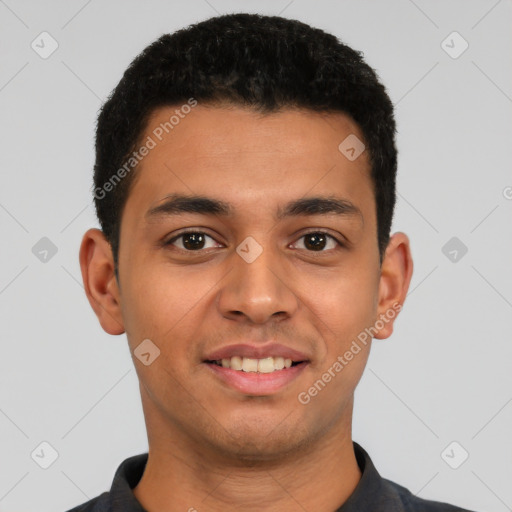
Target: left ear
395 277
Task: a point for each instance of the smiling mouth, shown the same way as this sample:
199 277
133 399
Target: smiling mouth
250 365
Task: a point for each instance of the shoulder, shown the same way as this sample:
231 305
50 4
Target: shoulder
376 493
120 496
412 503
99 504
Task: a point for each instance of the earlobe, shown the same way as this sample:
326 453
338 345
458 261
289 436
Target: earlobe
396 273
100 284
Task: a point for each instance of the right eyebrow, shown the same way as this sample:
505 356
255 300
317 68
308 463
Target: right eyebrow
179 203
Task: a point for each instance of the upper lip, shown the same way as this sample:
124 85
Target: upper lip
257 352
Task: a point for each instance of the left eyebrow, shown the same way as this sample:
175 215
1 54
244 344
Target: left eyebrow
319 206
179 203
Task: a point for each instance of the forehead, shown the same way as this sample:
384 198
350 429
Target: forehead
249 158
219 129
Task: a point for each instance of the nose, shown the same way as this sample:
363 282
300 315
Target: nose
257 291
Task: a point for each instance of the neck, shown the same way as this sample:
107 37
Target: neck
182 475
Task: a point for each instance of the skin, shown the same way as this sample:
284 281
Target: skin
212 447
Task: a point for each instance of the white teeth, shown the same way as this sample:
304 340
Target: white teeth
266 365
247 364
278 363
235 363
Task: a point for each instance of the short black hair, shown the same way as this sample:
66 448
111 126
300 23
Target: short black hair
265 63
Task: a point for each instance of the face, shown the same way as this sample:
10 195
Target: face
279 260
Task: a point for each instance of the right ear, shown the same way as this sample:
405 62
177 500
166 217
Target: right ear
100 283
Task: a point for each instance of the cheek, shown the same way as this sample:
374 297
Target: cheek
162 302
345 301
162 308
343 309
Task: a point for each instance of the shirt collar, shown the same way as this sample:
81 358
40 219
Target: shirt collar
371 491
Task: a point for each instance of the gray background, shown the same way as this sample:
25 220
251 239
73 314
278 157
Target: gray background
445 375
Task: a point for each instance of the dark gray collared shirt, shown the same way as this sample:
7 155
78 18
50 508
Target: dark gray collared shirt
372 494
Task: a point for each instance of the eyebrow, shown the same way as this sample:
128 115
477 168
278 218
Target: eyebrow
176 204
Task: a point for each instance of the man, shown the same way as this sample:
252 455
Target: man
245 186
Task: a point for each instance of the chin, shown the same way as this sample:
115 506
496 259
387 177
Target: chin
264 443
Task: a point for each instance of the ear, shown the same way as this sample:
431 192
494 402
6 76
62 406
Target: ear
100 283
395 277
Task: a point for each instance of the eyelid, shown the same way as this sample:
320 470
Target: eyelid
341 243
169 241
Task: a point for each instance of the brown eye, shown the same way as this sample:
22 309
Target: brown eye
191 241
318 241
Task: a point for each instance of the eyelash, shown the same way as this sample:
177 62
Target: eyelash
195 231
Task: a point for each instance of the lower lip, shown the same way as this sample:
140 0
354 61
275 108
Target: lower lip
257 384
